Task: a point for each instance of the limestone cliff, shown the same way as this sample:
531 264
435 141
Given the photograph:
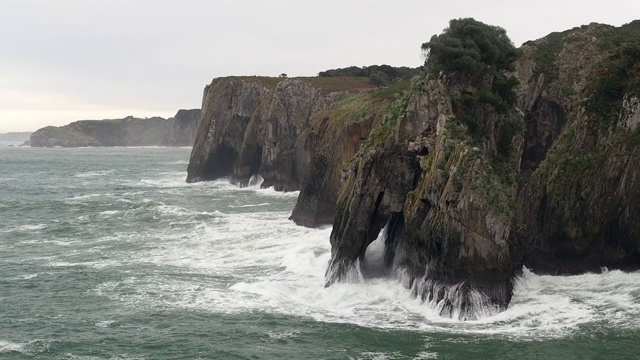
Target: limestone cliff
335 137
493 159
179 130
582 148
470 194
258 126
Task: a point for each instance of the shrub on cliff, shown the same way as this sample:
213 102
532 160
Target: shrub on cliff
379 75
619 73
470 47
478 56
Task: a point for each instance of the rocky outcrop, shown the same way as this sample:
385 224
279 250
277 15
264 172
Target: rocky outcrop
177 131
467 176
258 126
447 211
578 207
332 142
462 215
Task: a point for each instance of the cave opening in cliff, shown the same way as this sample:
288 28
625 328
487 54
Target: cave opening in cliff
220 164
380 253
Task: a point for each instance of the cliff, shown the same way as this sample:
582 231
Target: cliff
493 159
471 186
179 130
257 126
582 147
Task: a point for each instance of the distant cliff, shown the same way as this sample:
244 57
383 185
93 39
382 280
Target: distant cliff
18 137
179 130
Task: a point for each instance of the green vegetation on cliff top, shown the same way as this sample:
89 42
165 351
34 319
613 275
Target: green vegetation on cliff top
618 74
478 56
371 103
378 75
326 85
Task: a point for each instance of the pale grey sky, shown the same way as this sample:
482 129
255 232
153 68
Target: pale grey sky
66 60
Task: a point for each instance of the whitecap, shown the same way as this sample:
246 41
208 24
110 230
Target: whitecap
27 228
88 196
6 347
90 174
105 323
27 276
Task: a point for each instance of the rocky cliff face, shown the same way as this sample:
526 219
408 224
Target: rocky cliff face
177 131
444 203
258 126
462 216
466 178
582 150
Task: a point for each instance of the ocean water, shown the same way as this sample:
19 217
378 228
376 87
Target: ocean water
109 254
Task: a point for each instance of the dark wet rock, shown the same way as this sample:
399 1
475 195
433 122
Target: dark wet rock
249 127
460 225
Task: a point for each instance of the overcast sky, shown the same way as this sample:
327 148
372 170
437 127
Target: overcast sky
66 60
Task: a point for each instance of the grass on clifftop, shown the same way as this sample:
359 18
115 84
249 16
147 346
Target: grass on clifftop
374 103
325 84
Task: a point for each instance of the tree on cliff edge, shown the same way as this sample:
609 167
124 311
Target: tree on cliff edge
470 47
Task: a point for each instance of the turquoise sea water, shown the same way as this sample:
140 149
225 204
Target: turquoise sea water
109 254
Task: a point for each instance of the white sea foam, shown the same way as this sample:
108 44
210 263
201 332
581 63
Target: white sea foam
27 277
105 323
90 174
271 265
7 347
88 196
369 355
248 206
26 228
30 348
258 261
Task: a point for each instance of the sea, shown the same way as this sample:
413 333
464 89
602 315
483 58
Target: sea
107 253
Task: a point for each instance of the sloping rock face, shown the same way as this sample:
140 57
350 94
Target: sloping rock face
462 215
177 131
249 128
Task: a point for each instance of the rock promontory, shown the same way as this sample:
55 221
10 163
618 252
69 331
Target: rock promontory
492 159
179 130
259 126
